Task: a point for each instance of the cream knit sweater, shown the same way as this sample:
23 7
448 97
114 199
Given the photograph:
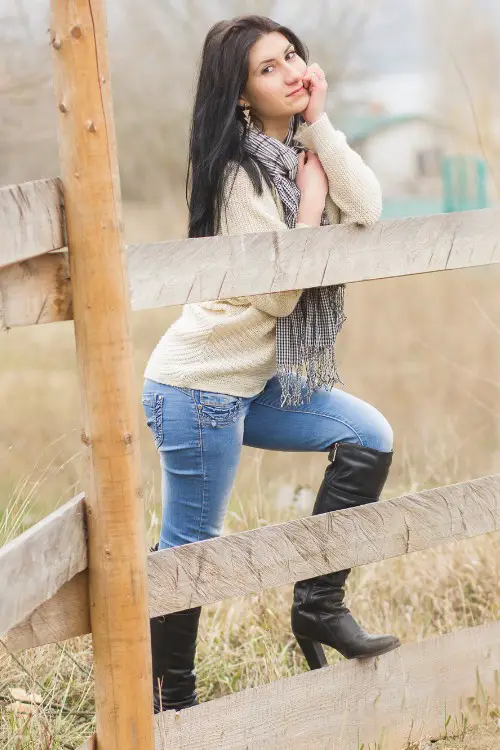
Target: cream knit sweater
228 346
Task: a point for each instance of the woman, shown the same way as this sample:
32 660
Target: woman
263 156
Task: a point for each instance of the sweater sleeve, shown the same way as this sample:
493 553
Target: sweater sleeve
245 212
353 186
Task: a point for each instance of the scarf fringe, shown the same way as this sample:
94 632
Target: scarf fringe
317 369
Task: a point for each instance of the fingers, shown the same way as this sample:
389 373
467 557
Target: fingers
315 70
308 158
312 158
314 75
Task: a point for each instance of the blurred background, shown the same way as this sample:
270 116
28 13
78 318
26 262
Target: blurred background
414 84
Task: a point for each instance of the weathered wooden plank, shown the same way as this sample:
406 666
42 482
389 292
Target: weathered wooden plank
31 220
251 561
275 555
65 615
36 290
173 273
217 267
401 697
35 565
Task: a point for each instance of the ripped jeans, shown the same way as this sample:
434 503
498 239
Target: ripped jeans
199 436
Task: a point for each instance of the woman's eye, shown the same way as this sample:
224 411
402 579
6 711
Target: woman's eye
288 56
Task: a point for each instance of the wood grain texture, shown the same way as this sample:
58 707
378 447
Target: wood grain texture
31 220
173 273
251 561
275 555
403 696
116 533
38 290
217 267
65 615
35 565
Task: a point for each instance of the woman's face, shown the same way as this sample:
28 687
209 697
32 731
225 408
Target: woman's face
274 86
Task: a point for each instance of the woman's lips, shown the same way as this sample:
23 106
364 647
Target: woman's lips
297 91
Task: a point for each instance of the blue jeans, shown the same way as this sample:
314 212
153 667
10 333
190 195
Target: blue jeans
199 435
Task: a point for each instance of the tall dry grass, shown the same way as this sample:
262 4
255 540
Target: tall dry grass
424 350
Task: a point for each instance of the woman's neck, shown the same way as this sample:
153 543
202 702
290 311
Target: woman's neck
277 128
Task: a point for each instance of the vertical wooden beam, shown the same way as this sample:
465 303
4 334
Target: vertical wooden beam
117 551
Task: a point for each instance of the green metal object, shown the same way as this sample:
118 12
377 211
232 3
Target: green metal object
464 183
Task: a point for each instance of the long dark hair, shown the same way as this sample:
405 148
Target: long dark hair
215 137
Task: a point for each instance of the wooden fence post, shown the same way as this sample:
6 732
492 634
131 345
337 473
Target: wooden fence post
117 553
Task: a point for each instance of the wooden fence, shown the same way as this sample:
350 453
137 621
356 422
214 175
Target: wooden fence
68 566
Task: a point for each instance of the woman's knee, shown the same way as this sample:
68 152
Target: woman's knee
358 422
377 433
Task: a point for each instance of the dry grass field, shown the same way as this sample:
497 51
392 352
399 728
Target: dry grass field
424 350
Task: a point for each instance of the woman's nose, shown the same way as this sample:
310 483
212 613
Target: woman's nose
292 75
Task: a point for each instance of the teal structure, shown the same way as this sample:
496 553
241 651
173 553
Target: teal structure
463 178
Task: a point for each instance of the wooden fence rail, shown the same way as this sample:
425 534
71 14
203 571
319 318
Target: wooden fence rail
382 703
38 290
31 220
422 690
41 561
252 561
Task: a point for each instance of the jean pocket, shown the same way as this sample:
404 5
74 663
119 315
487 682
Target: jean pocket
153 409
219 409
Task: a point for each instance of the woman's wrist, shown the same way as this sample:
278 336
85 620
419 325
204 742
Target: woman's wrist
314 118
310 212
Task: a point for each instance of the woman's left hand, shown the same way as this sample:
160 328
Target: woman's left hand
314 81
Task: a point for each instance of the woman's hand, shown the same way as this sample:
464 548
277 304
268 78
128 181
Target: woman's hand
313 185
314 81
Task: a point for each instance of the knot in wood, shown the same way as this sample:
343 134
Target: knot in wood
56 43
76 32
128 438
86 439
90 125
63 108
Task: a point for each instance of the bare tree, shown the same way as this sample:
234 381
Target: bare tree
155 50
28 143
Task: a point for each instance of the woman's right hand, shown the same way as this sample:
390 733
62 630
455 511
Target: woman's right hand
313 185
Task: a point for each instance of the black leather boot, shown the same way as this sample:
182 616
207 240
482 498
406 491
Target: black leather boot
173 649
354 476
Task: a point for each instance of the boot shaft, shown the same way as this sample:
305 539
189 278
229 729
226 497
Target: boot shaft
355 476
173 648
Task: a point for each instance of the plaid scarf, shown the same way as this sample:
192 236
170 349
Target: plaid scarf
305 339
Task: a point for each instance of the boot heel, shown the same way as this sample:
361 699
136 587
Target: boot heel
313 652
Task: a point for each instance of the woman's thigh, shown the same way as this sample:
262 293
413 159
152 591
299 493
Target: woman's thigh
199 437
332 416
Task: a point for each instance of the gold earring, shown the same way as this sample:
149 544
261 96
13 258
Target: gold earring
246 114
